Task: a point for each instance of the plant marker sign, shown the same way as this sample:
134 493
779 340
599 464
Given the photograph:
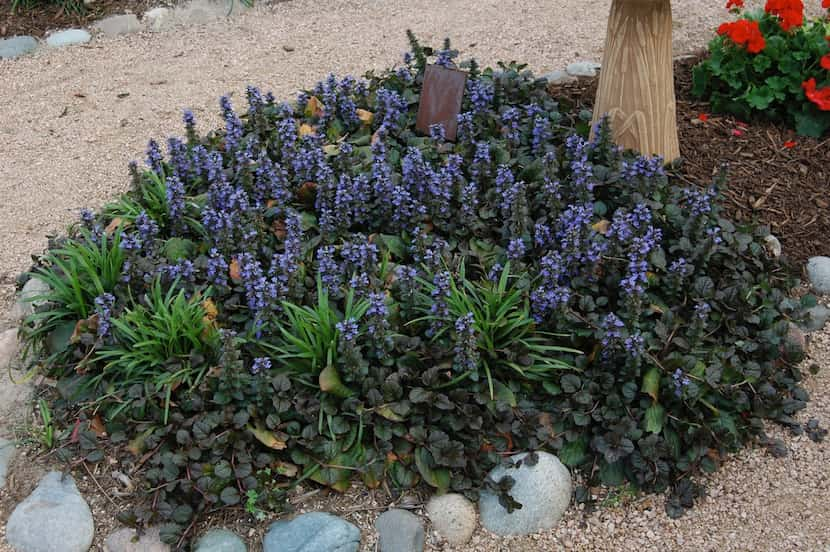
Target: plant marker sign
441 97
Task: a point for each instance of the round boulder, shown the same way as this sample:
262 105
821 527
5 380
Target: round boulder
543 487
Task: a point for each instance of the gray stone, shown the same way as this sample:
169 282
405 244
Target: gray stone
68 37
773 246
7 452
27 300
158 19
816 318
583 69
399 531
543 490
818 270
559 77
54 518
128 540
9 349
313 532
17 46
118 24
453 517
220 540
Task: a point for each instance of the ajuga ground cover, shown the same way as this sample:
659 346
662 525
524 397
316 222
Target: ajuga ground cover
318 292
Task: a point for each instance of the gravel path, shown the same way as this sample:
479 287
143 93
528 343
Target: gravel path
70 120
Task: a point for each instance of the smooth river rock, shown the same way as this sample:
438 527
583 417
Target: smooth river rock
54 518
17 46
312 532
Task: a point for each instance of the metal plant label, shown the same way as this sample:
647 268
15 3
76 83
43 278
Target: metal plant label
441 98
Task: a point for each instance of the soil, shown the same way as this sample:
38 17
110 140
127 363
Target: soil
768 183
43 17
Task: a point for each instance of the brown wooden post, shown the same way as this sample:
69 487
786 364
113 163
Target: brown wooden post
636 83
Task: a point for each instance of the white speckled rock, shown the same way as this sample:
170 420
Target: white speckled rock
818 270
118 24
54 518
583 69
559 77
773 246
17 46
26 303
543 490
68 38
453 517
158 19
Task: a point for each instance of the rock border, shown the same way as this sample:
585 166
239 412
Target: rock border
158 19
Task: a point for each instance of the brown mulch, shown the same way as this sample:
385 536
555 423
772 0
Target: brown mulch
768 183
45 16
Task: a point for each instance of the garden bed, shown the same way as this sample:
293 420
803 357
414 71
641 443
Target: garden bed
545 288
775 177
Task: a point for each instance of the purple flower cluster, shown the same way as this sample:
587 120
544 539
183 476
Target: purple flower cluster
552 293
465 350
217 268
698 202
155 158
174 189
642 167
329 269
634 345
233 125
182 269
260 364
377 315
439 309
612 331
103 308
582 171
390 107
481 94
510 120
680 381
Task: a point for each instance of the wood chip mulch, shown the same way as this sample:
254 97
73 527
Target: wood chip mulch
775 178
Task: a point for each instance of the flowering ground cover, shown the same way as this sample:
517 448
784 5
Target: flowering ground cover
317 292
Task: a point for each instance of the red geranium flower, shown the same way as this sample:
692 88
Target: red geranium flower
740 4
790 12
819 96
744 32
825 4
825 59
704 117
790 144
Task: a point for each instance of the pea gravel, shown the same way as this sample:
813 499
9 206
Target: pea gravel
71 119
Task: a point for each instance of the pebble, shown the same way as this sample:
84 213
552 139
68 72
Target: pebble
773 246
400 531
220 540
118 24
7 452
583 69
818 271
67 37
17 46
453 517
544 490
55 517
816 318
128 540
312 532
